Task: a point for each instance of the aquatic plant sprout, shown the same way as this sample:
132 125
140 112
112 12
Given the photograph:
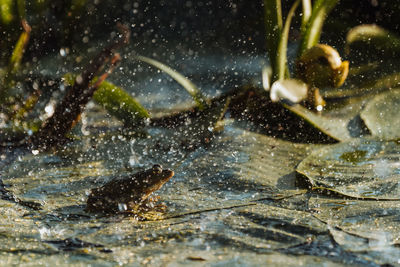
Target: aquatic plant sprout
277 35
315 69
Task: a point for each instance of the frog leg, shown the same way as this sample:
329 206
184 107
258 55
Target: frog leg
151 204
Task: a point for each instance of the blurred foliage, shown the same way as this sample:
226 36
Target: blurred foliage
120 104
69 23
6 11
117 102
58 24
54 23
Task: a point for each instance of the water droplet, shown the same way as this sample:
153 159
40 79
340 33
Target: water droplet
122 207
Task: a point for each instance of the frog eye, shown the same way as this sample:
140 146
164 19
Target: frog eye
157 168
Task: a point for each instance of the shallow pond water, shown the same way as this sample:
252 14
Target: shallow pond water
234 202
228 202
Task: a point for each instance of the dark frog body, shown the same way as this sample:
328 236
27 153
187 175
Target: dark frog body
127 193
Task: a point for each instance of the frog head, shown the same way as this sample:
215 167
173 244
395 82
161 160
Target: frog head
153 179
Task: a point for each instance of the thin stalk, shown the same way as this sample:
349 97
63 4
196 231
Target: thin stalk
21 9
281 56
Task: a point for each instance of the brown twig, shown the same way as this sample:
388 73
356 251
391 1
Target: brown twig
67 112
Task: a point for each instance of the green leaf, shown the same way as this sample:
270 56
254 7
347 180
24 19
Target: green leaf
19 50
312 31
120 104
273 27
192 89
116 101
7 78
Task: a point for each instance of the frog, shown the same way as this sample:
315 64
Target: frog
125 194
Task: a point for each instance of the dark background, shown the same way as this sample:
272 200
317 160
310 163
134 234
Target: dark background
230 23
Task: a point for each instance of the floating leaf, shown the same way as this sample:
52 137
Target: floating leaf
342 125
381 115
182 80
361 168
377 221
374 35
277 227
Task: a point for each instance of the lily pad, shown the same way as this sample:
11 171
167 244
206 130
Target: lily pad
272 227
342 125
361 168
381 115
376 221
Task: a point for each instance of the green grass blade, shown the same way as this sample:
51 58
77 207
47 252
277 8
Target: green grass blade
7 77
307 11
19 49
182 80
281 56
273 27
313 29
